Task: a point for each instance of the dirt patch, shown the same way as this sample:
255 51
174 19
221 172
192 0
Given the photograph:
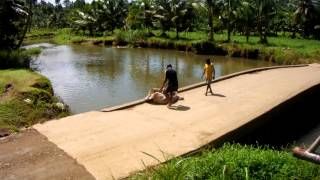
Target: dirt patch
29 155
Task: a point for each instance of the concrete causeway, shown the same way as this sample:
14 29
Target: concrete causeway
115 144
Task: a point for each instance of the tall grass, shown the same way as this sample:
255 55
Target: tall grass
20 58
234 161
36 32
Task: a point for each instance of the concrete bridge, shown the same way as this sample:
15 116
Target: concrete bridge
116 143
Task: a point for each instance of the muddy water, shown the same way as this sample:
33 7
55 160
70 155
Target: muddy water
91 77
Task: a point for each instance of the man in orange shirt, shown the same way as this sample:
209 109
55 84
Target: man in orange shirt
210 74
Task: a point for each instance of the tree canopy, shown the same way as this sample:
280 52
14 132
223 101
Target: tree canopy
248 17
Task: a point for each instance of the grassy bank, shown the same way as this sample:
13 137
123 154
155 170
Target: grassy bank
26 98
282 50
235 162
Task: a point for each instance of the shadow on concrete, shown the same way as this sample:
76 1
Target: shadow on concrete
296 120
216 94
180 108
289 123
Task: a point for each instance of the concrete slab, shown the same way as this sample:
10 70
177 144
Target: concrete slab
114 144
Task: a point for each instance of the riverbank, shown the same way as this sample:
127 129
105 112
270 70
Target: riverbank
234 162
282 50
26 98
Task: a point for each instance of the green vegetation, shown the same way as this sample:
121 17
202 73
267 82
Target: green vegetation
282 50
273 30
19 58
264 18
26 98
283 31
234 162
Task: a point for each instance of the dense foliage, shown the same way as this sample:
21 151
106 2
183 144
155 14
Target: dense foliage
248 17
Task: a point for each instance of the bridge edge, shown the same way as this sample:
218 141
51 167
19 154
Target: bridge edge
193 86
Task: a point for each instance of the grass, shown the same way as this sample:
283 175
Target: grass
282 49
29 100
234 161
36 32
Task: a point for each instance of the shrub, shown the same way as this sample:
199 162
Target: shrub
17 59
234 161
14 59
130 36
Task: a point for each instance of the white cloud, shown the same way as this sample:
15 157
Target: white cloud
61 1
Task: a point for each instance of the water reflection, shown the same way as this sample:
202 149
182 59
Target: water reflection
91 77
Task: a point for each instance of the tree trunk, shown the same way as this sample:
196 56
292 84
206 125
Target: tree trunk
177 33
260 30
90 30
265 40
20 40
210 19
247 34
293 36
228 23
177 30
229 32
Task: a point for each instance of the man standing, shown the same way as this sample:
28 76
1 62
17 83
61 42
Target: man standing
210 74
172 86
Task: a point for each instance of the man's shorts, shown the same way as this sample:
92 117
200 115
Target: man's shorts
208 82
171 89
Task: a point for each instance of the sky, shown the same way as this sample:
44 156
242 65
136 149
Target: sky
52 1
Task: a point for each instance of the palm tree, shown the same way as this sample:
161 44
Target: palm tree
30 3
112 13
149 12
265 11
307 15
229 14
209 6
141 14
245 14
163 14
84 21
178 9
